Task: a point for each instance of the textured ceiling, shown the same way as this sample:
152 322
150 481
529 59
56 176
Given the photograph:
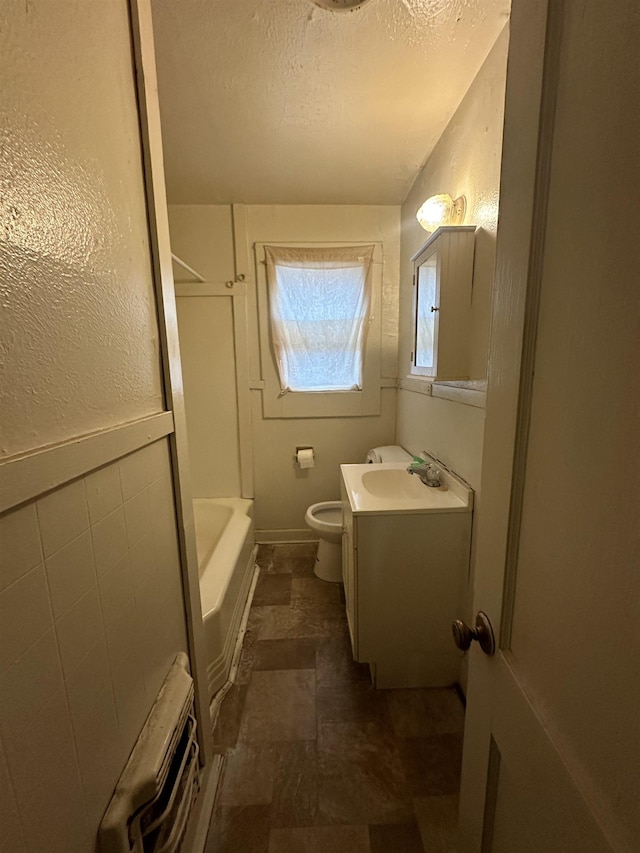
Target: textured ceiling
281 102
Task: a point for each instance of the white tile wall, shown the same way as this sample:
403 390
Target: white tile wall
91 617
27 687
109 540
62 515
78 630
70 573
134 475
137 516
116 591
99 758
129 673
25 615
104 494
12 837
19 544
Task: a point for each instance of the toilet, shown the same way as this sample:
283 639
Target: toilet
325 519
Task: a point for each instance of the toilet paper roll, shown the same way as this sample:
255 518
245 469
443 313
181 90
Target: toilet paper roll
305 458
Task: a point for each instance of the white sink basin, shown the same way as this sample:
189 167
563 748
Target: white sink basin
393 483
389 488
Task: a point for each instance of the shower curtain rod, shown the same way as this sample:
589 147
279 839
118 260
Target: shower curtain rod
186 267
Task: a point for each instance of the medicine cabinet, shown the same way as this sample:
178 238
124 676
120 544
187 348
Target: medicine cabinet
442 285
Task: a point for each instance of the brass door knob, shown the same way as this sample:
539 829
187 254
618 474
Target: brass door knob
463 635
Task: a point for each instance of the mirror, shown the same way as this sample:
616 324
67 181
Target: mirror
426 314
442 281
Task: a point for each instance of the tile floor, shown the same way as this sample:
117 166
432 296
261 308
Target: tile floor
317 761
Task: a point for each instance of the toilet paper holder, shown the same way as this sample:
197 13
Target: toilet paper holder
296 456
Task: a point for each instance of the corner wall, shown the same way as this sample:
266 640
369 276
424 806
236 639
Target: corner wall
465 161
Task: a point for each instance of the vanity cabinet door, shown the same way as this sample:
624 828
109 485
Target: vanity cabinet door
349 573
349 570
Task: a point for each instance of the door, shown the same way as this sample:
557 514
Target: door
552 739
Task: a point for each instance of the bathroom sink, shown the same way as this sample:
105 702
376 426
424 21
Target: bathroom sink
388 488
393 483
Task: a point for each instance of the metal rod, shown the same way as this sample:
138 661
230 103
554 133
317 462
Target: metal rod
186 267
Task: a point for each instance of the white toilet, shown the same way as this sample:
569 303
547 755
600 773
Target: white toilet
326 519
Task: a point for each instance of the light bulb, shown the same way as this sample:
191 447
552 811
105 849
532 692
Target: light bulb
436 211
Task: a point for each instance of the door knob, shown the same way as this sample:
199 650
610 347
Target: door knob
463 635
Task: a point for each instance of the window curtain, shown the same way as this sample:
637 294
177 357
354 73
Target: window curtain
319 308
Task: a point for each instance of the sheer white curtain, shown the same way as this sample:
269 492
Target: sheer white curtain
319 306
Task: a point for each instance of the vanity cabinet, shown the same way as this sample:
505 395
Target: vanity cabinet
442 288
405 576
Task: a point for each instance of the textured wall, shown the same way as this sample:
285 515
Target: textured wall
78 334
466 161
280 102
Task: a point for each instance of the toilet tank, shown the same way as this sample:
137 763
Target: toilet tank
389 453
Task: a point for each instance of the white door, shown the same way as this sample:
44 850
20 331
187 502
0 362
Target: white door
552 739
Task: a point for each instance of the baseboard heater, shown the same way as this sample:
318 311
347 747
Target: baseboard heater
150 807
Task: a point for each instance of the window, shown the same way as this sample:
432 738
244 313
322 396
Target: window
320 331
319 304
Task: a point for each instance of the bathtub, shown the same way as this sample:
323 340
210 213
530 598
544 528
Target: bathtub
226 556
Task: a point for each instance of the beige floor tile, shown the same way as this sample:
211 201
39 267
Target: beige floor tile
335 663
297 653
317 761
280 705
361 777
272 589
320 839
282 622
432 764
438 822
408 714
248 775
227 728
295 788
445 710
395 838
239 829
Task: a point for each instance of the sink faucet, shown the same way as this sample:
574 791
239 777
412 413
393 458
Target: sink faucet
428 473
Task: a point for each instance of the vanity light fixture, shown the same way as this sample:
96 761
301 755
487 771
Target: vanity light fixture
440 210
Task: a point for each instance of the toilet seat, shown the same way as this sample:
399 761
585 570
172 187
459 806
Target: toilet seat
326 518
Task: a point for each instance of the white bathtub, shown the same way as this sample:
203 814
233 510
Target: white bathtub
225 546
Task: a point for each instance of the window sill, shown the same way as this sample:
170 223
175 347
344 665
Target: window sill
469 392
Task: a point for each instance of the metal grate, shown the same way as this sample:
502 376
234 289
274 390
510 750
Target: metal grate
150 808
